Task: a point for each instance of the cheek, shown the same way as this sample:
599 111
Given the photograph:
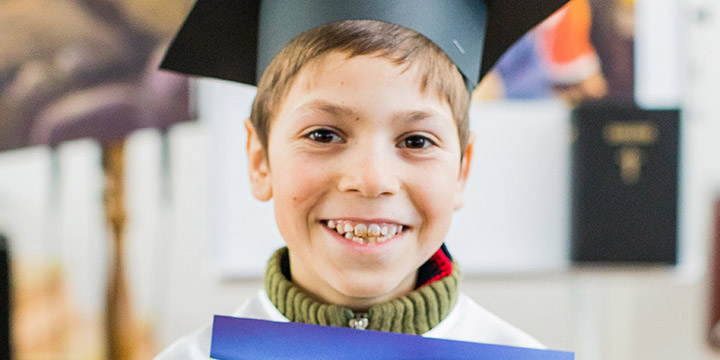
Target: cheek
434 191
297 184
295 176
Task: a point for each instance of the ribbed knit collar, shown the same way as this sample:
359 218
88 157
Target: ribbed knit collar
414 313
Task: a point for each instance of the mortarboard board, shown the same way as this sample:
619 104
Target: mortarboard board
237 39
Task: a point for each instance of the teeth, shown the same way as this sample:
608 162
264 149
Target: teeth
374 229
392 231
360 229
365 234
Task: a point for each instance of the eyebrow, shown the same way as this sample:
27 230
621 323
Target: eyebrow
330 108
414 115
345 111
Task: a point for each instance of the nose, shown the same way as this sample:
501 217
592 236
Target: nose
370 169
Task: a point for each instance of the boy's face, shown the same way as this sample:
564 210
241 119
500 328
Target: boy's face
356 143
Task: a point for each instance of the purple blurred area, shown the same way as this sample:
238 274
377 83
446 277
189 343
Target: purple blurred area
85 68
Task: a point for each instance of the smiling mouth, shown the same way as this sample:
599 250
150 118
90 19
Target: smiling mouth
365 233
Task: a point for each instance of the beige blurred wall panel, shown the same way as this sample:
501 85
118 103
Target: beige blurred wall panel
604 314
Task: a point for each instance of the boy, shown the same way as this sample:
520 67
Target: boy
359 132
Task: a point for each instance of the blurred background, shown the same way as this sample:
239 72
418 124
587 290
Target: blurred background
592 213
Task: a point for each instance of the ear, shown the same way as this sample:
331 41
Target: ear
464 171
258 167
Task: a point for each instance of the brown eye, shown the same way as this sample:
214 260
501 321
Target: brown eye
416 142
323 136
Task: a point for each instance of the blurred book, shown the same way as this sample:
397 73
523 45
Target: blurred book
625 184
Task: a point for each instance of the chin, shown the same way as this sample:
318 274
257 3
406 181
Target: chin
373 288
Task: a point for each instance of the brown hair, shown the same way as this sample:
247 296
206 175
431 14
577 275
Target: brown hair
398 44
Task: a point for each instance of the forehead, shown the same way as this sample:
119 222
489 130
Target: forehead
361 85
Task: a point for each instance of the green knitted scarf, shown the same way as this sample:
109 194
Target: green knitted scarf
414 313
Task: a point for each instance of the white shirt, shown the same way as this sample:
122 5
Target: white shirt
467 321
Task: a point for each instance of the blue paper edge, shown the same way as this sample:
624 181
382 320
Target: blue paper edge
228 344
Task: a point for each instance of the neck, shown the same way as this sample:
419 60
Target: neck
415 312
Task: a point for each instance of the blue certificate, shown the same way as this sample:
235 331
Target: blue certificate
250 339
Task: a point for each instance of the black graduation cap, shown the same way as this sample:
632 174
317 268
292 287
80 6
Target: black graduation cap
237 39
